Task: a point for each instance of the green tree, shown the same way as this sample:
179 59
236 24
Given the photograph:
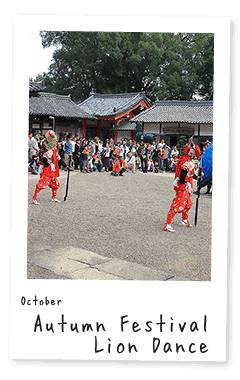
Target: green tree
181 144
165 65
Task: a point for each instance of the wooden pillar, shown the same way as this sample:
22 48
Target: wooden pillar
115 132
199 132
131 135
98 128
84 128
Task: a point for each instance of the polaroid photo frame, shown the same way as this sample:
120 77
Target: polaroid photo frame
119 320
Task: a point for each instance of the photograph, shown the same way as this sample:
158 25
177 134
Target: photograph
120 155
113 161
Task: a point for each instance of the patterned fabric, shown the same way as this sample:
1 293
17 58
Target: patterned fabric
53 157
44 182
182 202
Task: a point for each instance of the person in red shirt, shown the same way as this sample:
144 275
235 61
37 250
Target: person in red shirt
161 159
49 169
183 185
119 167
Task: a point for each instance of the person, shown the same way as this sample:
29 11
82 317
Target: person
77 154
34 165
130 162
85 155
106 153
153 147
61 150
167 157
161 144
73 142
161 159
116 151
174 151
34 148
156 155
91 152
137 154
174 161
97 162
183 185
100 146
82 147
68 150
49 169
156 167
119 167
143 157
150 164
123 150
209 186
29 146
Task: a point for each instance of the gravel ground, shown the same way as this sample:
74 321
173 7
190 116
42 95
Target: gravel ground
122 217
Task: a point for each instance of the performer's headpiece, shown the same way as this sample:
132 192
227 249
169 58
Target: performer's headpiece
50 140
192 151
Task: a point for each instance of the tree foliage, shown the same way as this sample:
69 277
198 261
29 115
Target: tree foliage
164 65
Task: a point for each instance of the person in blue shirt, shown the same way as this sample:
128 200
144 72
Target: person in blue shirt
68 150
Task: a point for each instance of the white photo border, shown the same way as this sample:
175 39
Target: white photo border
141 301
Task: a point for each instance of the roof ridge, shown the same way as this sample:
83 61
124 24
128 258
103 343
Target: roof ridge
130 101
55 95
119 94
184 102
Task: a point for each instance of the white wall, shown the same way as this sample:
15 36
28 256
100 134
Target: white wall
122 134
151 127
206 130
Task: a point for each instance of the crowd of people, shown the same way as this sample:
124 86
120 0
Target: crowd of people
88 155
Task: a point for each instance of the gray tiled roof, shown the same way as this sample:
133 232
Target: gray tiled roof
178 111
36 86
56 105
111 104
125 125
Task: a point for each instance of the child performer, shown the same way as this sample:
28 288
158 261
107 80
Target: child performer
183 185
49 169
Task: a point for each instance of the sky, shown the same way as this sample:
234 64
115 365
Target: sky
40 58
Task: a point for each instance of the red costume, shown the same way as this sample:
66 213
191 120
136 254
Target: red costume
183 185
49 168
118 166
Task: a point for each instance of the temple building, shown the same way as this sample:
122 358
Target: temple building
113 113
58 112
171 119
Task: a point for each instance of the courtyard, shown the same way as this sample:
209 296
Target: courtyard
111 228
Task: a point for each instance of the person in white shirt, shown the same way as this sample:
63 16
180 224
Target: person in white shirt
130 162
161 144
30 136
153 146
100 146
124 150
174 151
34 148
73 144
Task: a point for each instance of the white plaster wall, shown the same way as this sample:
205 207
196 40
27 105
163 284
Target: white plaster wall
206 130
122 134
151 127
